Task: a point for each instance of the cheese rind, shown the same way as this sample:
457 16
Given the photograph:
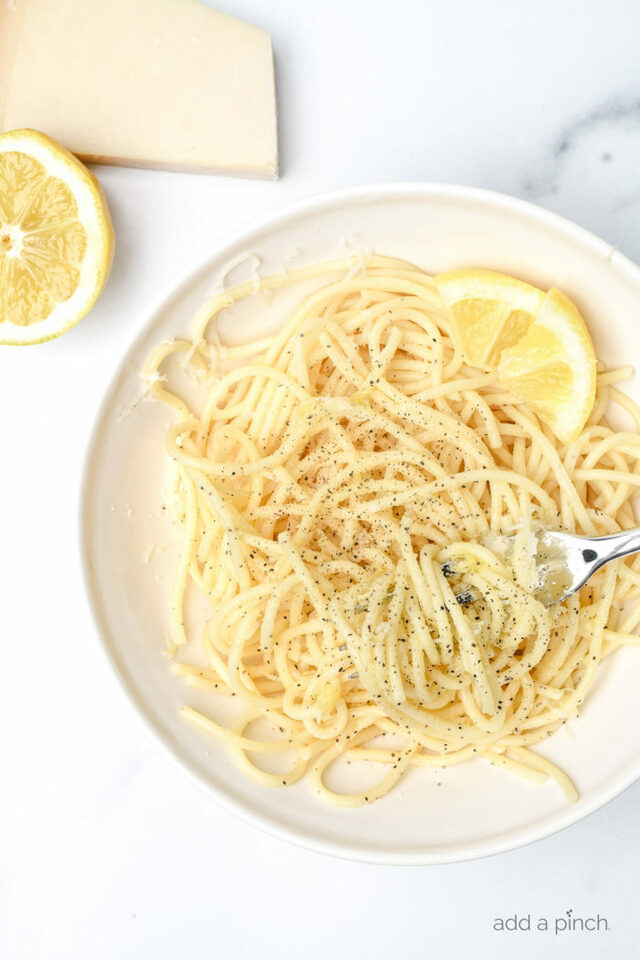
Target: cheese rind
151 83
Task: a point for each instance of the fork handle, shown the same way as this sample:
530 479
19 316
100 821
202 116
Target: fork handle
613 546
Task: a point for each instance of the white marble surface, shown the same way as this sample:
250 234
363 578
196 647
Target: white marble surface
105 850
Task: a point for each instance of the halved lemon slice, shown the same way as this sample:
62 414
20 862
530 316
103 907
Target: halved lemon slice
538 343
56 238
490 312
553 367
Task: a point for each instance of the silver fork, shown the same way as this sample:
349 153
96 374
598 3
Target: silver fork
565 561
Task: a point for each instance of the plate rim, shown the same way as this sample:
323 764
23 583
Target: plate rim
172 289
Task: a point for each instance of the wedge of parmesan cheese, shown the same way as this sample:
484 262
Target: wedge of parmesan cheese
145 83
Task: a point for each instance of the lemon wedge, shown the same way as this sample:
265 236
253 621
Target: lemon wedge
553 367
490 312
56 238
538 343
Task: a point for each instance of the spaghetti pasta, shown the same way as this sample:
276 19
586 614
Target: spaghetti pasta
338 490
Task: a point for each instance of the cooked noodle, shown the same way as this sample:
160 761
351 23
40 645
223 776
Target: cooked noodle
338 490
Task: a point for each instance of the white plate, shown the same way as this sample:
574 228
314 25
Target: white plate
467 811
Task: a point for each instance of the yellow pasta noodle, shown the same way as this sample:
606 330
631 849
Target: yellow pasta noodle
356 505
